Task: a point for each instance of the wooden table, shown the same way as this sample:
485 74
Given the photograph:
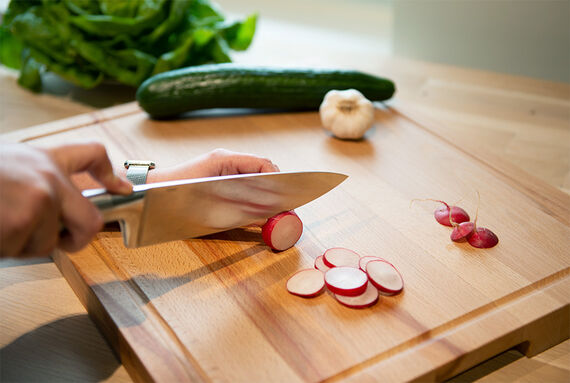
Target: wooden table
46 333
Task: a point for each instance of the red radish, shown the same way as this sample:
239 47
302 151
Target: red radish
366 299
306 283
446 214
282 231
461 231
364 261
482 238
384 277
320 264
339 256
345 280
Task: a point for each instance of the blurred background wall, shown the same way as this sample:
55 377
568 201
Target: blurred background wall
520 37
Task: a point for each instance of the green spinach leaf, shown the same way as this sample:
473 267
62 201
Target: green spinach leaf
88 41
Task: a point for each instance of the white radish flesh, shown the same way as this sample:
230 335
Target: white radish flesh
339 256
320 264
385 277
345 280
306 283
364 261
366 299
282 231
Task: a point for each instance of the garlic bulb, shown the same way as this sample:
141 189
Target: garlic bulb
346 113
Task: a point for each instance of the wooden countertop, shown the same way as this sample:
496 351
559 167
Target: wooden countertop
46 333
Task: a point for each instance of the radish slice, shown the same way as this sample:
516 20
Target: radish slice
364 261
282 231
385 277
306 283
366 299
339 256
320 264
345 280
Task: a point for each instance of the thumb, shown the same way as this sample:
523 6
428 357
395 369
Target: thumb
93 158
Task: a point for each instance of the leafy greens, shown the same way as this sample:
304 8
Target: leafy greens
87 41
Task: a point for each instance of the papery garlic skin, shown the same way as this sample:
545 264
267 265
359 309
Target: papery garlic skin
346 113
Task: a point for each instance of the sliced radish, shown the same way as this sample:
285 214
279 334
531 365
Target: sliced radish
366 299
306 283
282 231
364 261
339 256
385 277
346 280
320 264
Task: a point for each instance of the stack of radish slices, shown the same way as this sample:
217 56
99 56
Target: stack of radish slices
354 281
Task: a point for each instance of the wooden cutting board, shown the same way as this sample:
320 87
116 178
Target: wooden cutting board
216 308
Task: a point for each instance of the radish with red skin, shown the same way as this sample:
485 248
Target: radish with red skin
385 277
282 231
366 299
306 283
346 280
446 214
320 264
461 231
339 256
364 261
482 238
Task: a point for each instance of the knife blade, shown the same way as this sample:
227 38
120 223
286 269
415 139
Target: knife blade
190 208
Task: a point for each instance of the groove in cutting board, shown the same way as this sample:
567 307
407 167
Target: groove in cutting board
438 333
245 281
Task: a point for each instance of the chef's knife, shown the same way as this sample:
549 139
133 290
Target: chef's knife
189 208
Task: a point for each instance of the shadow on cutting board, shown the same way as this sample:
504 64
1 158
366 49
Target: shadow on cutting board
148 286
56 344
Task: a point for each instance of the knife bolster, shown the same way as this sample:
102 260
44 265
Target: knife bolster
128 216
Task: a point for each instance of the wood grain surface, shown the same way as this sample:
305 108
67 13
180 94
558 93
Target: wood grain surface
524 123
216 308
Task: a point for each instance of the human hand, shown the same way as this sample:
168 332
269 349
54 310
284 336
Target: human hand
219 162
37 197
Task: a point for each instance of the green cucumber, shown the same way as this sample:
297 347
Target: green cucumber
230 85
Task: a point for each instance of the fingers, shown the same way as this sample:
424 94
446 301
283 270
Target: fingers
81 219
45 236
16 229
37 197
93 158
29 211
27 199
228 162
218 162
